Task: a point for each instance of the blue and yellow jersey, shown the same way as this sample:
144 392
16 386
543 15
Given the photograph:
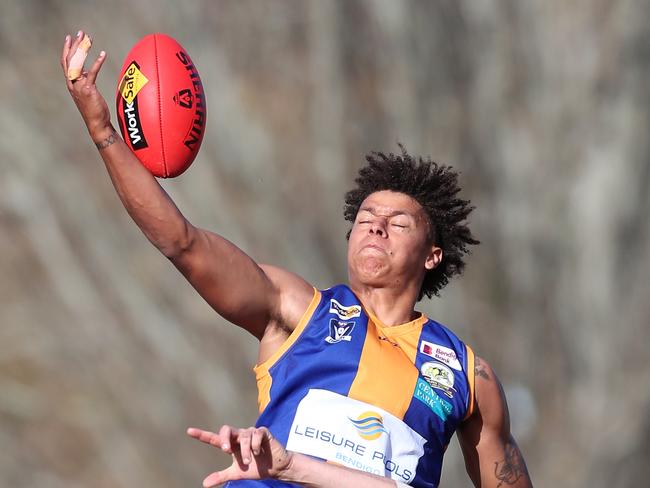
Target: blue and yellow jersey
346 389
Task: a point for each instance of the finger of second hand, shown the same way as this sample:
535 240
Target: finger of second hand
256 441
225 434
245 445
209 437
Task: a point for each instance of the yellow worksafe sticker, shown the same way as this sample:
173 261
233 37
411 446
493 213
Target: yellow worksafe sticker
132 82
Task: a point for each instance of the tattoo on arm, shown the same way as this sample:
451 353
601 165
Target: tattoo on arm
513 467
479 369
107 142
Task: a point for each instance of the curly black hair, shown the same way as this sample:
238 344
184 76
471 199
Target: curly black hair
435 188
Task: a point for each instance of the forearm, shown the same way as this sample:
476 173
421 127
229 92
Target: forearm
507 468
229 280
492 456
142 196
319 474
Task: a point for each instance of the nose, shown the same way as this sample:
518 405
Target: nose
378 227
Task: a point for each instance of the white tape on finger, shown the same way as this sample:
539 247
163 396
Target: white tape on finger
76 65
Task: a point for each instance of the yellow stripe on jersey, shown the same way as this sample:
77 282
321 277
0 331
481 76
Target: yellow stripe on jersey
262 375
470 380
386 376
406 335
263 390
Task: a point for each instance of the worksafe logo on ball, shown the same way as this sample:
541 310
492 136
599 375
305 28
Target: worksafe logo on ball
343 312
132 82
339 331
130 85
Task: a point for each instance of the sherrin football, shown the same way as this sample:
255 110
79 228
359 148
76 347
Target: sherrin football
161 105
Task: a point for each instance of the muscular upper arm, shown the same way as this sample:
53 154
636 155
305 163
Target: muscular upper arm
257 298
491 454
294 299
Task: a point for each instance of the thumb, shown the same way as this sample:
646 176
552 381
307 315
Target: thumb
219 477
213 480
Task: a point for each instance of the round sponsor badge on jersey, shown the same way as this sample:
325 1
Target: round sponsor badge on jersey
439 376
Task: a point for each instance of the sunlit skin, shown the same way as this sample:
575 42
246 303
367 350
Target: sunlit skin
389 252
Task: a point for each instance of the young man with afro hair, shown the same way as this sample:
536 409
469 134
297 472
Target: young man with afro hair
353 374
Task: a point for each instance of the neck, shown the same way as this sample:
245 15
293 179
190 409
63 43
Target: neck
392 306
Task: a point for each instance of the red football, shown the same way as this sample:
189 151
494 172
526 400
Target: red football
161 105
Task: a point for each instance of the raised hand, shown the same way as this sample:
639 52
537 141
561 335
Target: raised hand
82 88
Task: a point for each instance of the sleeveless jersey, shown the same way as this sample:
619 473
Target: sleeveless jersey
348 390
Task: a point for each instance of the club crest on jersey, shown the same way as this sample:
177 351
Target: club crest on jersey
439 376
339 331
441 353
344 312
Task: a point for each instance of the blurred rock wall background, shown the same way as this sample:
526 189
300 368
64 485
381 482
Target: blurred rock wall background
106 354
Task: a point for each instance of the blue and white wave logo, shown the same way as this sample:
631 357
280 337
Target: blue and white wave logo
369 425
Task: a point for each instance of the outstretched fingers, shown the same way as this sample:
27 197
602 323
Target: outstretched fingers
255 453
64 54
226 434
204 436
94 69
245 439
258 438
222 440
73 44
79 51
73 57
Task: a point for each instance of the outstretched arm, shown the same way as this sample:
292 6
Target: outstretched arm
492 457
258 455
228 279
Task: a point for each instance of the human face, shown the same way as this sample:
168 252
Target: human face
389 244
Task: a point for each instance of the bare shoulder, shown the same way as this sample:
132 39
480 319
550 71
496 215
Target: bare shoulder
490 416
490 398
295 295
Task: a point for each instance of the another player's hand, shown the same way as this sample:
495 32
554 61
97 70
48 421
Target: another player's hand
82 88
256 454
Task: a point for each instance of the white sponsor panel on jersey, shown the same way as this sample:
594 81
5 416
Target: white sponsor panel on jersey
355 434
441 353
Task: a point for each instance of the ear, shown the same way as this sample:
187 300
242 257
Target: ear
433 258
